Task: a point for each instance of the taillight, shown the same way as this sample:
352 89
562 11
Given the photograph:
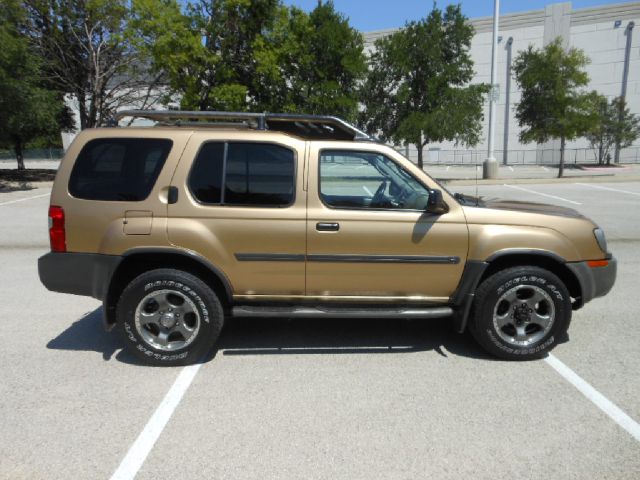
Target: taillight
57 236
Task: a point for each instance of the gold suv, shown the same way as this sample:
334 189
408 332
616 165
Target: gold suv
207 215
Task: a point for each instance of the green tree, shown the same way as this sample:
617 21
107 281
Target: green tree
312 63
29 111
90 51
615 125
174 45
254 55
552 105
417 90
206 52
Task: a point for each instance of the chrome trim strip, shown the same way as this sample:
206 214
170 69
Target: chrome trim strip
303 311
390 299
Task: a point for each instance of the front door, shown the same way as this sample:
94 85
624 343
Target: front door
368 234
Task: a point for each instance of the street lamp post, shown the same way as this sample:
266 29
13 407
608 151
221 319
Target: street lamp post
490 165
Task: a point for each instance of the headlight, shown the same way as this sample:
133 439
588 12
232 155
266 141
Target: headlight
602 241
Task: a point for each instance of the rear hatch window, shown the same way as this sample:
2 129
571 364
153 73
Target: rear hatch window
118 169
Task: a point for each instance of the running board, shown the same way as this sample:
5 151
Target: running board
340 312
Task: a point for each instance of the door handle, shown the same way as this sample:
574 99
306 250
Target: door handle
327 227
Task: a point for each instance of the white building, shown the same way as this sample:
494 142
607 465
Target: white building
607 36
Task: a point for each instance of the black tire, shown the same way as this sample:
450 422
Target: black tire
499 336
158 342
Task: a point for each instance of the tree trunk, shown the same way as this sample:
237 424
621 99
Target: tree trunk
420 164
601 154
561 169
19 155
82 111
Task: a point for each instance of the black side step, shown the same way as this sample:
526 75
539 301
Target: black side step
339 312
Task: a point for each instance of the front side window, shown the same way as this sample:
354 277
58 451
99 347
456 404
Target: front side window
258 174
118 169
350 179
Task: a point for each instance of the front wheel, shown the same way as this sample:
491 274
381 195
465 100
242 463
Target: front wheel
169 317
520 313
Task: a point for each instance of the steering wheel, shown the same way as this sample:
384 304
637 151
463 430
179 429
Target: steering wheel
379 196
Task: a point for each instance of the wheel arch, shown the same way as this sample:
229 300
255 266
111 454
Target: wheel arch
477 271
538 258
139 260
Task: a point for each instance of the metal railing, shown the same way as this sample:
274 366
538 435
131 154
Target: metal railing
34 154
573 156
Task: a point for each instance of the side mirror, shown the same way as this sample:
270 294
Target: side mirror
436 204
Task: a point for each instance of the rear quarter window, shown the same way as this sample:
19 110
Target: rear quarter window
118 169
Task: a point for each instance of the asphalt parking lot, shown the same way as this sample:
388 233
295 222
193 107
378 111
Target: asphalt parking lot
339 399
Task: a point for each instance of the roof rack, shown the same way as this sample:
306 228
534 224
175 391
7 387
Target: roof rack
317 127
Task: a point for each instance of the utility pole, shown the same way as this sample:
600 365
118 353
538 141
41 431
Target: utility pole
490 165
625 79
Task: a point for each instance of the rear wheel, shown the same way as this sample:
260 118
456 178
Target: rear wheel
520 313
169 317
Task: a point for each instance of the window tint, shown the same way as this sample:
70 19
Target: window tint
123 169
205 179
259 174
254 174
350 179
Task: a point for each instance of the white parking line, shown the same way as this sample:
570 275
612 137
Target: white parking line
599 400
369 192
510 168
543 194
609 188
25 199
138 452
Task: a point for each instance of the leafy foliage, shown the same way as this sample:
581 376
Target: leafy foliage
254 55
174 43
315 61
553 105
90 51
417 90
616 125
29 111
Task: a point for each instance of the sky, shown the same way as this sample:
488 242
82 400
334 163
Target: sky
366 15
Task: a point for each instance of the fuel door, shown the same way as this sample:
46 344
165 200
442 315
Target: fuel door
137 222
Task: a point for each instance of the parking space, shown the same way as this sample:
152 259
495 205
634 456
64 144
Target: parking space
350 399
603 347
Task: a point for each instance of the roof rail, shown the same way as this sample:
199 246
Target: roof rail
307 126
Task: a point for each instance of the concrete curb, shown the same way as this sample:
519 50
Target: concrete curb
6 187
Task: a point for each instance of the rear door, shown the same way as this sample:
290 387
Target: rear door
241 206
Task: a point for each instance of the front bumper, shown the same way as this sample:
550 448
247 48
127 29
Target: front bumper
86 274
594 281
